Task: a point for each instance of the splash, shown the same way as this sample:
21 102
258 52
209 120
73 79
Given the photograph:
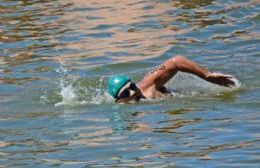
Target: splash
74 90
184 84
68 94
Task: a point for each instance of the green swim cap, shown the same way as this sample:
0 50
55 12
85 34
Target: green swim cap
115 83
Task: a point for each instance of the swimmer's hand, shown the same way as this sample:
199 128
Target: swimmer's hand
220 79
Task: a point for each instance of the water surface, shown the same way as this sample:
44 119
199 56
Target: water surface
55 58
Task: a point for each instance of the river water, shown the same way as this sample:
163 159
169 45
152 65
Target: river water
56 56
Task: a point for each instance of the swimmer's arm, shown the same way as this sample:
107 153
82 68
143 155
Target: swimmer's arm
191 67
169 68
180 63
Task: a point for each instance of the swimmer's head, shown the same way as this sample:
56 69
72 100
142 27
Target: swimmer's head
115 84
123 89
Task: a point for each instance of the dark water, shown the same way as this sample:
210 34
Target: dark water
55 57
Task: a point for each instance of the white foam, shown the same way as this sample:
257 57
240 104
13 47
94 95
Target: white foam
190 85
69 96
76 91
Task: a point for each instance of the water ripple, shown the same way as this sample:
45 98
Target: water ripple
55 59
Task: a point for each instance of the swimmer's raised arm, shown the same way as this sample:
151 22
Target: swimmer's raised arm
123 89
169 68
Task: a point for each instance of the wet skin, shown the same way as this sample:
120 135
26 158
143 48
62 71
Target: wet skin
152 85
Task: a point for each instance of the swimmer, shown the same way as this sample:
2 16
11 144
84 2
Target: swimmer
124 90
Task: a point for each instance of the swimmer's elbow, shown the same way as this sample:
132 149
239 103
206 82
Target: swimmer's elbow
178 60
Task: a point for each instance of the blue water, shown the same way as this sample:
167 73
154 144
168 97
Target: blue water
56 56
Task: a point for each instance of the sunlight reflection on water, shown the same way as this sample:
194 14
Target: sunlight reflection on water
55 59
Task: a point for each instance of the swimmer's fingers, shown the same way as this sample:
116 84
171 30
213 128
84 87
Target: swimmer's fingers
217 74
221 79
229 82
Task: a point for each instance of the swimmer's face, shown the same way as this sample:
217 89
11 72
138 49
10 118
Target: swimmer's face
129 93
